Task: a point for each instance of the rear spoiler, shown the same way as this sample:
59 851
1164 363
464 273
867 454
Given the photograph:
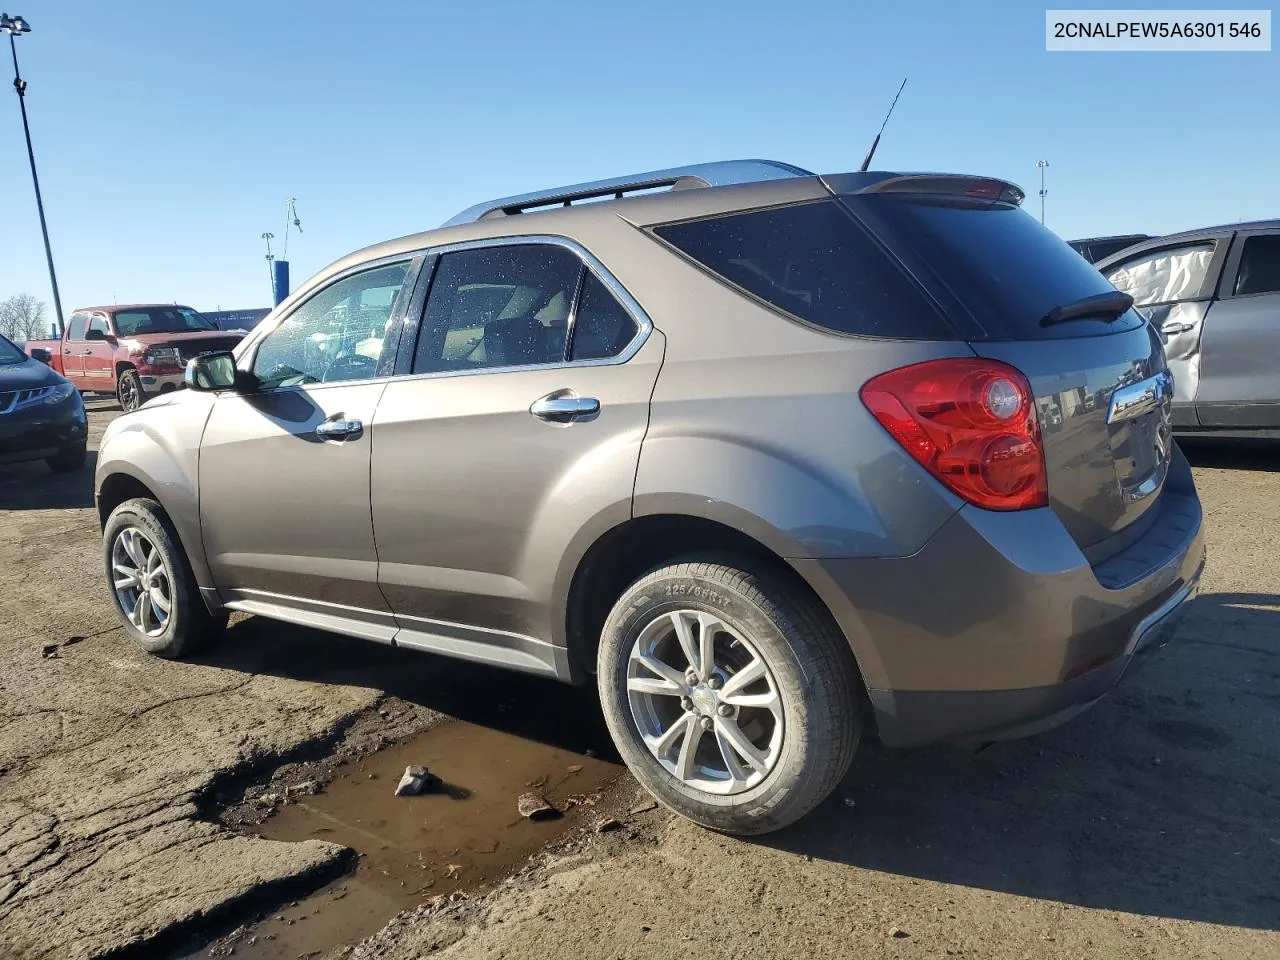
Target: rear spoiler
929 184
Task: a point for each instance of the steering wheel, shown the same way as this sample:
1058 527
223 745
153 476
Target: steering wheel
351 366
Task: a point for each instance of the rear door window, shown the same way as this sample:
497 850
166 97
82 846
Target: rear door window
498 306
1165 276
814 262
76 328
1000 264
1259 270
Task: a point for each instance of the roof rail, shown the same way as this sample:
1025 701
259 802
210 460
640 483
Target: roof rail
719 174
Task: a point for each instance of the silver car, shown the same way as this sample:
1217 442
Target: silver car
1214 294
775 460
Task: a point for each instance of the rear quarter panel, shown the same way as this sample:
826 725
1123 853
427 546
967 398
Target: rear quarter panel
756 422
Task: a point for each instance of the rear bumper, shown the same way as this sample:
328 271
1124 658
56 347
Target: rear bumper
1000 627
907 718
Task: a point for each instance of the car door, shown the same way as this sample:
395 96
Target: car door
1240 347
284 468
99 355
512 438
74 348
1173 285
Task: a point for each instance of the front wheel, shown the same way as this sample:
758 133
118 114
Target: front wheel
730 694
151 582
129 391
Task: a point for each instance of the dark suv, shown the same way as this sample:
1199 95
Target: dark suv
757 449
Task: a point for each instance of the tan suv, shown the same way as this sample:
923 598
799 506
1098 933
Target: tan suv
766 453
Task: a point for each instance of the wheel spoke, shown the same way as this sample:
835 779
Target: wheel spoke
748 675
662 746
659 686
159 602
128 576
738 740
661 669
689 750
731 764
685 636
142 612
129 540
767 700
153 559
708 626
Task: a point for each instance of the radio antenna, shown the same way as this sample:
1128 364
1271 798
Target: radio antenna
866 162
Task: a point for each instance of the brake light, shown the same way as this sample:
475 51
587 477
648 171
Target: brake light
971 423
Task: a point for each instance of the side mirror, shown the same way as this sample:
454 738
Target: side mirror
213 371
94 335
41 354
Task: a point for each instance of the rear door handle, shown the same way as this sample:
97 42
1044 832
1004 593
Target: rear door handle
565 406
1171 327
340 428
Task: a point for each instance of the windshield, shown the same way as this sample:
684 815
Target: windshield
9 354
160 320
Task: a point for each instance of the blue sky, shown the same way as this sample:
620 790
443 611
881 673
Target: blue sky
169 133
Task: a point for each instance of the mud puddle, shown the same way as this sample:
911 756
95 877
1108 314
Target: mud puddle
465 836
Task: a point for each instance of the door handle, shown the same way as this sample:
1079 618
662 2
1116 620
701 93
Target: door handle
340 428
1171 327
565 406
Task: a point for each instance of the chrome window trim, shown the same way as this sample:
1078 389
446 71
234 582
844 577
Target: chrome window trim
247 350
644 326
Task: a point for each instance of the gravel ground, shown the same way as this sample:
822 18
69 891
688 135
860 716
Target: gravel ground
1149 827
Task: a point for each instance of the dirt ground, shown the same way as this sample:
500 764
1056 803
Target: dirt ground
131 791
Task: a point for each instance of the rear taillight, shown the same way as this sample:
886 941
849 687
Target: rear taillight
971 423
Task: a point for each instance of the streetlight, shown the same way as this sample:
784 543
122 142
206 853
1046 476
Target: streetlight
1043 165
14 26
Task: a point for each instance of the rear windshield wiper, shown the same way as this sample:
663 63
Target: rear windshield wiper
1102 306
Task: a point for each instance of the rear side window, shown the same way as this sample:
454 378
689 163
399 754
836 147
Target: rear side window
1164 276
602 327
815 262
1005 267
1259 266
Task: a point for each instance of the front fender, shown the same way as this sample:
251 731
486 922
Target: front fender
159 448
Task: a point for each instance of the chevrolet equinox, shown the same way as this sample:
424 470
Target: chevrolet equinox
776 458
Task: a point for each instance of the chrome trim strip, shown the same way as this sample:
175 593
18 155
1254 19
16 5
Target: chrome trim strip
717 174
1157 616
1141 397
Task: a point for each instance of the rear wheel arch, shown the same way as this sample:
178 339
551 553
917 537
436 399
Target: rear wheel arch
626 552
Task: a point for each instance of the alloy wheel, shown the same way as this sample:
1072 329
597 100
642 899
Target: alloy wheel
705 702
142 582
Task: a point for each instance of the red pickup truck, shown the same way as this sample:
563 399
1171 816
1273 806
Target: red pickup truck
134 351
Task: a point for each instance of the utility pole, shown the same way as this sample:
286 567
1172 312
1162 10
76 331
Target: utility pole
1043 165
14 26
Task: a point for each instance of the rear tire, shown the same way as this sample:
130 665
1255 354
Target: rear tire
143 557
774 747
69 459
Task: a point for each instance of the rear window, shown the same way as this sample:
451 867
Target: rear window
1004 266
816 263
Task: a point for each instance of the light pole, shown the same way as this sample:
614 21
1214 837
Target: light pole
1043 165
14 26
